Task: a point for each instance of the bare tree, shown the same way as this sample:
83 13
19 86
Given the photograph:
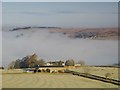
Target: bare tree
81 62
11 65
32 60
41 62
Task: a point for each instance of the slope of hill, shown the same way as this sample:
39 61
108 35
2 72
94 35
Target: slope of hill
83 33
91 33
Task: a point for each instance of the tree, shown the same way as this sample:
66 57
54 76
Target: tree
81 62
30 61
70 62
33 57
32 65
25 62
41 62
60 63
11 65
17 64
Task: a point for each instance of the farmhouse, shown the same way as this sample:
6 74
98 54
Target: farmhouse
55 63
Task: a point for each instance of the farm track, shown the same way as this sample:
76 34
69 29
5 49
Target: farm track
108 80
54 80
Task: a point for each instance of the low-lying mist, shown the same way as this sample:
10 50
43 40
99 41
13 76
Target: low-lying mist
56 46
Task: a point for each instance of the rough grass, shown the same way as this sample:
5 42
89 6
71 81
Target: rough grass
50 80
0 79
100 71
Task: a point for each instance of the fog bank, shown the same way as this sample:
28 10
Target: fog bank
55 46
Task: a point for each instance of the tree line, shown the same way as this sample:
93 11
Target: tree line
26 62
33 61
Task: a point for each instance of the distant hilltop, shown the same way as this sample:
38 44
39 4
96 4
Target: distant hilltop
90 33
25 28
94 33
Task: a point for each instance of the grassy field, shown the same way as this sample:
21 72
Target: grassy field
99 71
50 80
0 79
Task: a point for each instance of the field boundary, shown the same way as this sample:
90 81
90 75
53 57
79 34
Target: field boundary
95 77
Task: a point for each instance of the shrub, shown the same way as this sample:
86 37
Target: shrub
43 70
107 75
47 70
70 62
54 71
61 71
39 70
1 67
67 71
35 71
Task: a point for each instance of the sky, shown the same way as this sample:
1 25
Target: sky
60 0
62 14
0 34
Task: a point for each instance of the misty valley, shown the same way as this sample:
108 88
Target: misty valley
51 43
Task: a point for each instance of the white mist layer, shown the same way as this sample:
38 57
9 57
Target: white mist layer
1 47
54 46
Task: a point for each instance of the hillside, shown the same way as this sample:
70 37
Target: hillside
90 33
82 33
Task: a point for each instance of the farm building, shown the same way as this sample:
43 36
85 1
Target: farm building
55 63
